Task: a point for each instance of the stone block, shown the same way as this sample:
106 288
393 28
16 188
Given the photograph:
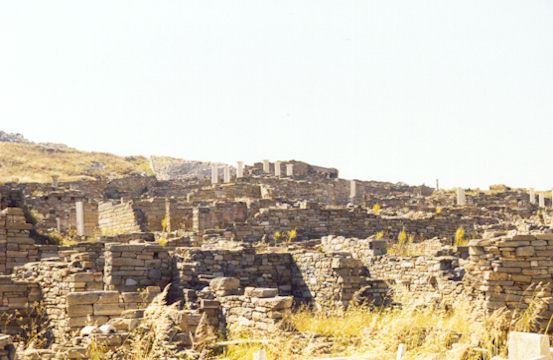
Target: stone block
524 346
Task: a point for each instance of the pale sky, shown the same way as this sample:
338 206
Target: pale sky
382 90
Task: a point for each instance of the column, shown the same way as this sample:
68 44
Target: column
239 169
532 196
214 174
226 174
79 216
437 184
266 166
352 190
461 198
55 180
541 200
290 170
277 169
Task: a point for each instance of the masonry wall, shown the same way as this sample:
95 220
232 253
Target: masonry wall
314 222
56 280
328 280
117 218
17 299
501 270
129 267
16 247
56 210
228 192
195 267
219 216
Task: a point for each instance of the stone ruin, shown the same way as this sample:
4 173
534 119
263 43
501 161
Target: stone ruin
245 250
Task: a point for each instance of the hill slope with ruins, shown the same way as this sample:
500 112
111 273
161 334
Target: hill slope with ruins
283 259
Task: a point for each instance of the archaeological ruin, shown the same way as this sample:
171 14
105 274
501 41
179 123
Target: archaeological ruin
243 247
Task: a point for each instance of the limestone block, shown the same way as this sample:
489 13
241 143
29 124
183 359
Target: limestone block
224 283
524 346
260 292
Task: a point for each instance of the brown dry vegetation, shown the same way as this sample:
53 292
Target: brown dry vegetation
37 163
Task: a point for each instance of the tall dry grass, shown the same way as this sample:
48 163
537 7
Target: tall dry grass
429 332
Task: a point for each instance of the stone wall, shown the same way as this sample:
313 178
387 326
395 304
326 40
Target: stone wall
328 280
117 218
56 210
129 267
228 192
425 279
16 247
359 248
196 267
17 299
56 280
502 269
259 309
314 222
99 307
219 216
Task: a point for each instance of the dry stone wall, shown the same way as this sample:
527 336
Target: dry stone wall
129 267
259 309
17 299
16 246
117 218
501 270
314 222
196 267
328 280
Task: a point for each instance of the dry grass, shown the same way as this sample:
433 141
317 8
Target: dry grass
37 163
428 332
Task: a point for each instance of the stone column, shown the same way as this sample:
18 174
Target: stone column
541 200
437 184
290 170
277 169
240 169
214 174
266 166
461 198
58 224
226 174
352 190
55 180
532 196
79 216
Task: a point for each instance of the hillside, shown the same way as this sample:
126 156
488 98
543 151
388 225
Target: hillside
30 162
168 168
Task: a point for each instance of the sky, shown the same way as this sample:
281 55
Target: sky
398 90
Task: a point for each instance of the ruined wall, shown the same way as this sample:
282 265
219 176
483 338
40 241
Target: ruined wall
100 306
195 267
16 247
328 280
230 192
56 280
314 222
501 270
56 210
17 299
426 279
129 267
117 218
359 248
257 309
219 216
